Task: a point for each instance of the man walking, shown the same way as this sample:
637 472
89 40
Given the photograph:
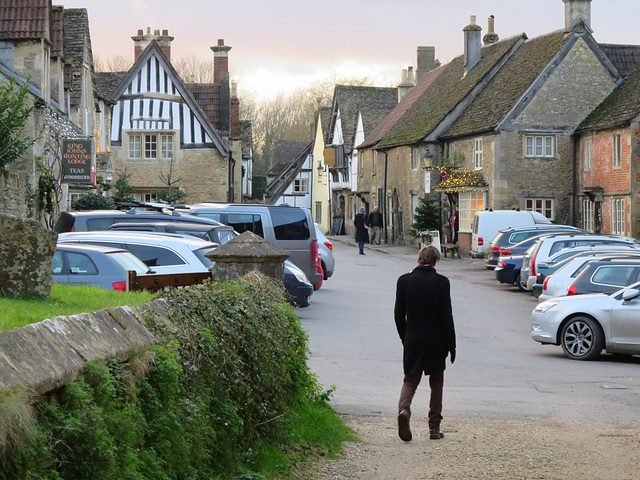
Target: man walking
424 321
375 222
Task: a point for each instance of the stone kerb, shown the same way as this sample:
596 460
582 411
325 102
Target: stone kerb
47 355
26 252
246 253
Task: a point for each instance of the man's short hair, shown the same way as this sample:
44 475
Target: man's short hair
428 255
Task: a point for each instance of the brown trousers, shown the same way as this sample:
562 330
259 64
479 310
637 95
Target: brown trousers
409 387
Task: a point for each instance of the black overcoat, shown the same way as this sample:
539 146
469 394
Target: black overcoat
362 235
424 319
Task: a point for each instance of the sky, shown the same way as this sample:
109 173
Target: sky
279 46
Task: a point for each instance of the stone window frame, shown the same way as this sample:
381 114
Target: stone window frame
478 156
544 205
617 216
415 158
539 151
588 207
587 155
139 145
616 150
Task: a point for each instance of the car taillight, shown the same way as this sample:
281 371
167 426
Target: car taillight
314 253
572 290
532 266
120 286
546 282
495 249
329 245
480 241
501 264
504 252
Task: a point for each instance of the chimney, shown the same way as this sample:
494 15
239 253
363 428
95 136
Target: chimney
407 83
472 44
235 111
576 11
142 41
426 61
491 36
220 61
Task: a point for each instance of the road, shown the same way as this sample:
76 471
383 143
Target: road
499 371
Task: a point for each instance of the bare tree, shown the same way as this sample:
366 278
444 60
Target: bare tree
117 63
193 69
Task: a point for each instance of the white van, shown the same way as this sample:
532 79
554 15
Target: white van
487 224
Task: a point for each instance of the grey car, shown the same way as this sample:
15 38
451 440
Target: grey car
104 267
584 325
219 234
325 248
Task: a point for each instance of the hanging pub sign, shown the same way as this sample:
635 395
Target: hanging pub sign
76 161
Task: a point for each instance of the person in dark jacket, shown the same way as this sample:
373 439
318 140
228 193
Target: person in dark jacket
375 222
362 234
424 320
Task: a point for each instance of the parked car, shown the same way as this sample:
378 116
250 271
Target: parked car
605 275
90 220
286 227
297 285
513 240
165 253
325 249
587 324
550 244
219 234
508 271
487 223
104 267
555 266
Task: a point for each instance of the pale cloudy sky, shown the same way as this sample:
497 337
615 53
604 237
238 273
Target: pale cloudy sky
280 45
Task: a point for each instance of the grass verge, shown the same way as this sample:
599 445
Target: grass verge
64 300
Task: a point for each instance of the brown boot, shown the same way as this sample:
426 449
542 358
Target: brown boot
404 430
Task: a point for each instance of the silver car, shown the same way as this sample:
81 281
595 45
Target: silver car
325 247
584 325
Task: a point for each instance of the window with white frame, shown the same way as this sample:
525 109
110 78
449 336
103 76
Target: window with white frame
587 215
617 216
300 185
415 158
374 162
545 206
477 153
617 151
151 146
469 204
540 146
588 152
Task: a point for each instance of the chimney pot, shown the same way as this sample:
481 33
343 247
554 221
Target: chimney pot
472 20
221 42
491 36
165 32
140 32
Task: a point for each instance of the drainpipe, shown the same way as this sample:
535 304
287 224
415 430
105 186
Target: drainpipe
384 200
574 193
231 190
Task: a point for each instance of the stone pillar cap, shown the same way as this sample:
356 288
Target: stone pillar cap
248 245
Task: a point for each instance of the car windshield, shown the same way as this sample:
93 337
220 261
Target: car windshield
200 253
129 262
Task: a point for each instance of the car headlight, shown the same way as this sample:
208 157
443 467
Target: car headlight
545 306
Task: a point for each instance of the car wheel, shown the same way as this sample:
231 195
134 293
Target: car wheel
522 286
582 338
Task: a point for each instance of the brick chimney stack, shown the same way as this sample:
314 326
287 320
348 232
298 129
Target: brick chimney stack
142 41
220 61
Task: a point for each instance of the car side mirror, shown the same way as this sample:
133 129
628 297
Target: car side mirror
631 294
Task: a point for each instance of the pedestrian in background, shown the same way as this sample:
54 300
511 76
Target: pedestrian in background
424 320
362 234
375 222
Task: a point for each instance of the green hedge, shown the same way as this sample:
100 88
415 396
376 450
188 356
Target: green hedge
228 372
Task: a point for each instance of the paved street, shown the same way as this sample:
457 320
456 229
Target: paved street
499 373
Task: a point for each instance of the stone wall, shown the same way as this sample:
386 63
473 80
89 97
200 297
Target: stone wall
49 354
13 191
26 252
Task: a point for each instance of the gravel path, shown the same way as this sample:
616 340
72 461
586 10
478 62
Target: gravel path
478 449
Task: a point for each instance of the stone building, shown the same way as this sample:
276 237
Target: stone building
494 127
168 134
